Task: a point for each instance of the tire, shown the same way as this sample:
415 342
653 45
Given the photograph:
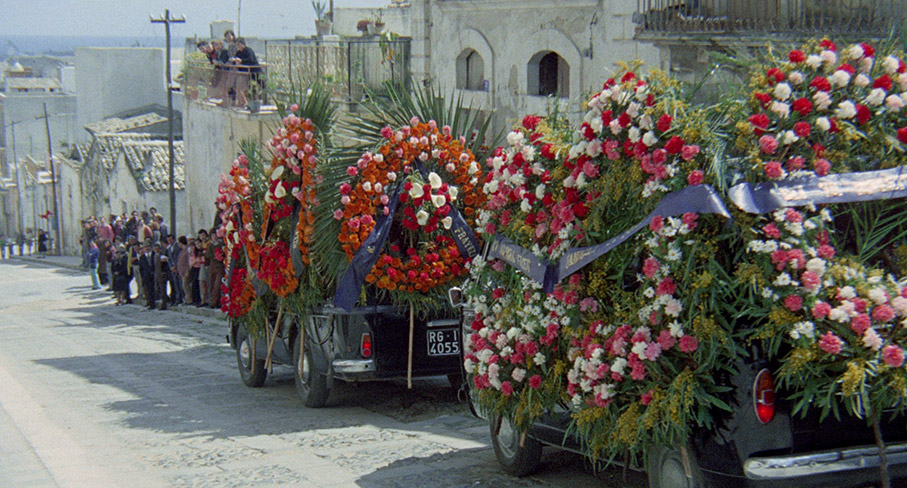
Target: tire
244 360
516 459
311 384
664 467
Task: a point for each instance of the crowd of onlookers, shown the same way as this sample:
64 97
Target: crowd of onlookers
139 248
236 70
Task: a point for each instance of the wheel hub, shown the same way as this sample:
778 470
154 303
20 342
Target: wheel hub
245 354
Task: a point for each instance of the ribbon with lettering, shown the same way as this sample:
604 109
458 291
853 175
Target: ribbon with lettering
520 258
838 188
463 235
699 198
364 260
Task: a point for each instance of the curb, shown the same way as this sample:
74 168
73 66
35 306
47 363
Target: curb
46 262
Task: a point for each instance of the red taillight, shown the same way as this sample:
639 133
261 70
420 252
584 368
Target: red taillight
764 396
366 345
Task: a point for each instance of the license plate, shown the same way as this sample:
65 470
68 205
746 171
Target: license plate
443 342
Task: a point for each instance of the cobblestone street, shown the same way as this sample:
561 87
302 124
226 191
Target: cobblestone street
95 395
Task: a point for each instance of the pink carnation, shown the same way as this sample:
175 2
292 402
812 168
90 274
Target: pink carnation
825 251
821 310
535 381
688 344
666 340
883 313
688 153
830 343
506 388
893 356
657 223
695 177
650 267
666 287
860 323
771 230
810 280
646 397
793 302
768 144
773 169
822 167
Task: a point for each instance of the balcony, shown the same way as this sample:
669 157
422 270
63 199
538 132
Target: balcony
347 66
864 19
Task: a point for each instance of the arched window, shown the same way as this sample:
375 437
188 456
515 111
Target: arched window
470 70
548 75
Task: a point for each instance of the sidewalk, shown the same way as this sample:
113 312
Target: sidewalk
74 263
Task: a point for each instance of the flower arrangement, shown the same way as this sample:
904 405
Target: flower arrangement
431 173
238 294
514 354
293 177
820 111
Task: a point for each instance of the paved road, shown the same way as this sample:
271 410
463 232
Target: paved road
95 395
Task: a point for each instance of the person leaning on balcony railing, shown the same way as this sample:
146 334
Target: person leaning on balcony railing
224 79
230 40
249 70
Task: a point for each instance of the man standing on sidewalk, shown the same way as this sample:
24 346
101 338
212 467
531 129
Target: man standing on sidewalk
146 270
174 251
161 274
91 257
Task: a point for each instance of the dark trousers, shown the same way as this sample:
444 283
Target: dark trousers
215 280
177 294
196 288
148 289
160 290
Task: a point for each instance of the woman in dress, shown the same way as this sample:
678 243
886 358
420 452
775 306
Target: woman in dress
121 275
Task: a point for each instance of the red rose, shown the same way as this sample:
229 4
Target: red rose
588 133
607 117
820 83
803 106
531 121
664 123
535 381
674 145
764 98
796 56
883 82
826 44
793 302
624 119
627 77
774 75
863 114
760 121
848 68
868 51
902 135
802 129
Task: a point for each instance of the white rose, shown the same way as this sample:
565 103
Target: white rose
789 138
891 64
649 139
840 78
829 57
782 109
782 91
514 138
795 77
866 65
813 61
596 124
846 110
894 103
367 186
615 127
823 123
855 52
876 97
822 100
633 134
861 80
392 176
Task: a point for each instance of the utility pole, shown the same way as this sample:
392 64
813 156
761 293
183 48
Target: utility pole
238 12
53 184
19 207
167 20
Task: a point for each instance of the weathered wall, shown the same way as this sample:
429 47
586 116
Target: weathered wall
113 80
590 35
212 137
396 20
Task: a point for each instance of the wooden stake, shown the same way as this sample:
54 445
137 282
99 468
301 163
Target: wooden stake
272 337
301 348
409 363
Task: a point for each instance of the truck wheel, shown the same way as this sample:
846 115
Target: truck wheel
516 459
244 360
311 384
664 467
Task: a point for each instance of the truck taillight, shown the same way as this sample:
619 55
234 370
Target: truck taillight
365 347
764 396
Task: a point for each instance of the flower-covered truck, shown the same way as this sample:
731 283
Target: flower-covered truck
714 307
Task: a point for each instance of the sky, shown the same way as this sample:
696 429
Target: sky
259 18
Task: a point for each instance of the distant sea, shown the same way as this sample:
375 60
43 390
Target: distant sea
66 45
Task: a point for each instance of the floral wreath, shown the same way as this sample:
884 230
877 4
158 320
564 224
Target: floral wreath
235 192
411 165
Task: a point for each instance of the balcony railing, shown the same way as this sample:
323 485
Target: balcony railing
863 18
201 79
347 66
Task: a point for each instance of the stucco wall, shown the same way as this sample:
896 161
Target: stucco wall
396 20
31 135
590 35
113 80
212 137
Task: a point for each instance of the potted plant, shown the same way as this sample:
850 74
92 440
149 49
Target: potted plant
379 24
322 18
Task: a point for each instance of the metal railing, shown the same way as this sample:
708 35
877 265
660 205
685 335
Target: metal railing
347 66
866 18
201 79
